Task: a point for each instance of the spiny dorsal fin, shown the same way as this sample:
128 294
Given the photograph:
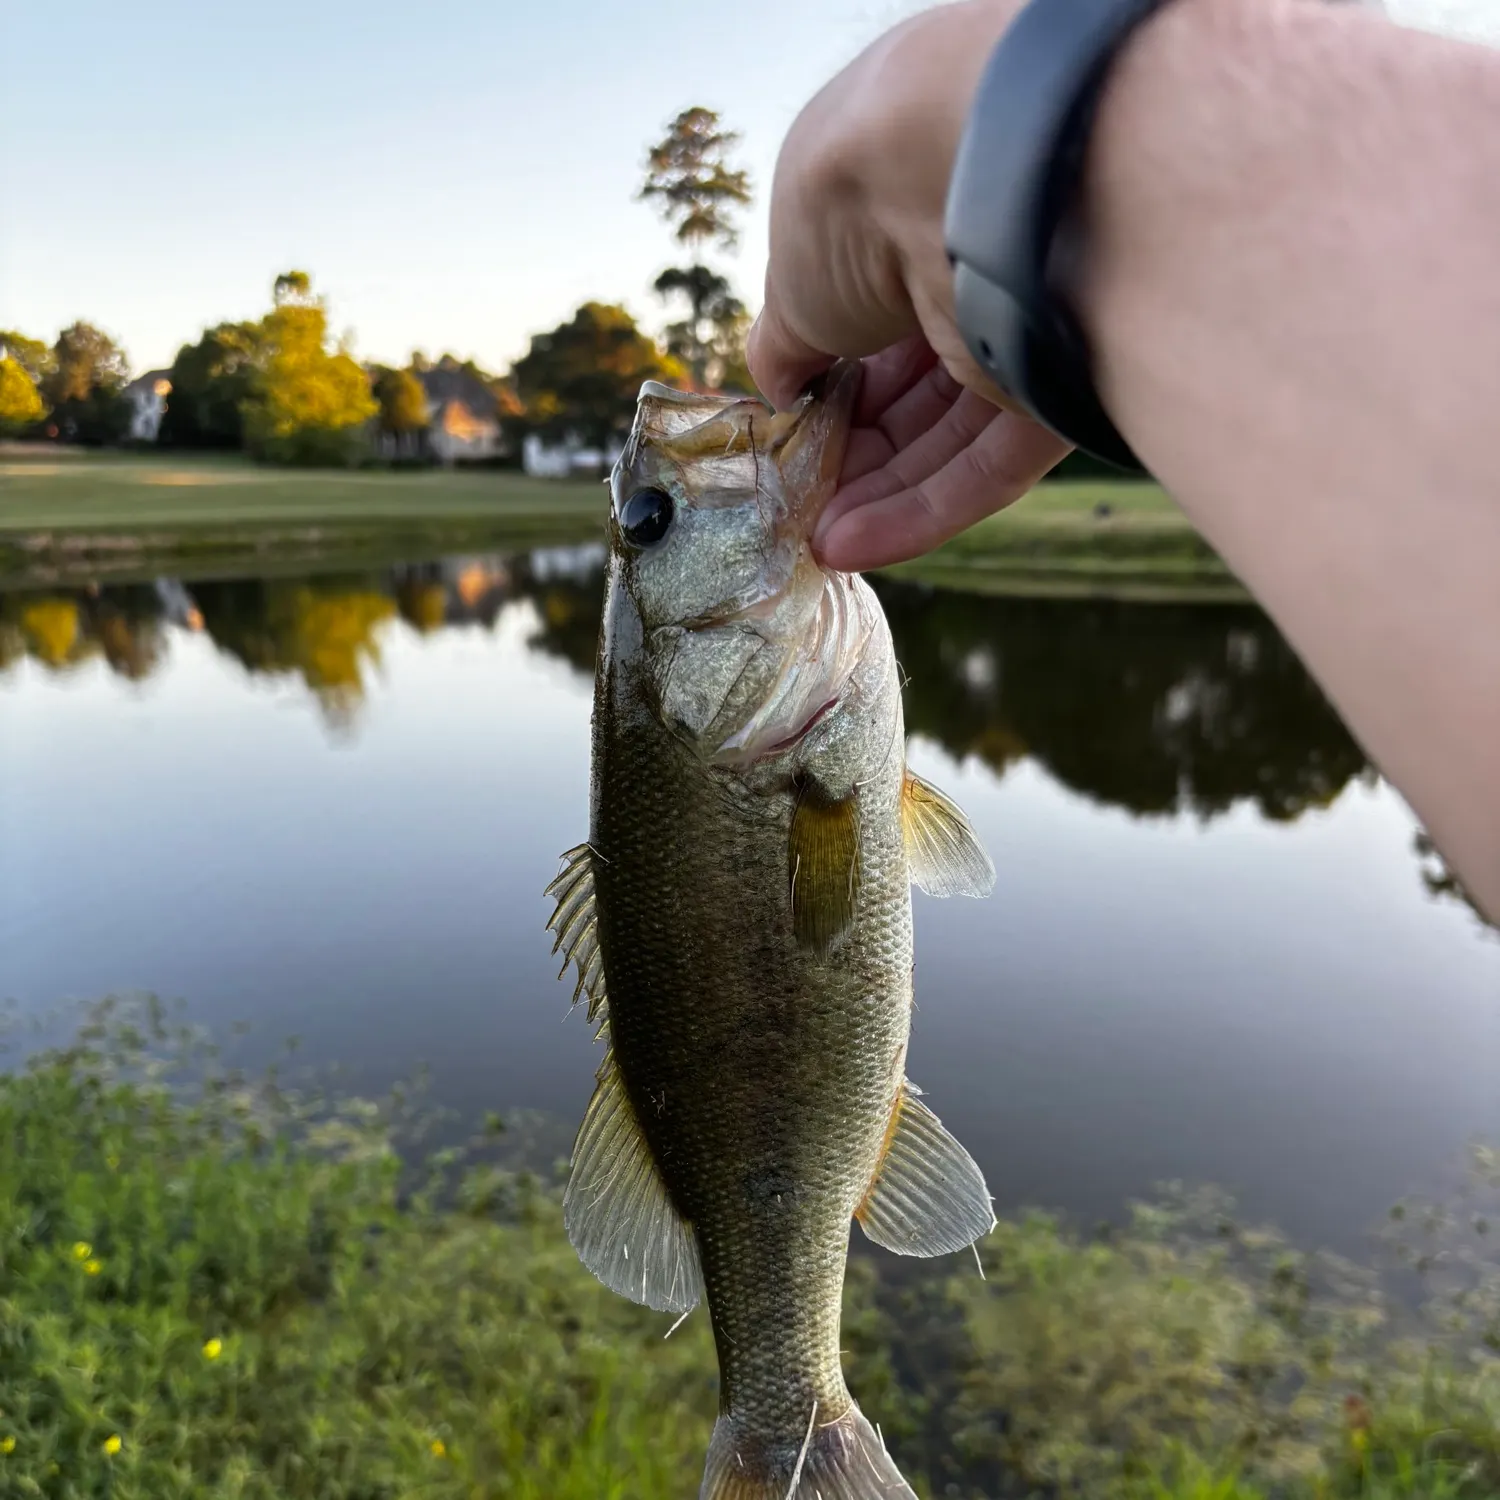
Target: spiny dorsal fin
577 927
928 1197
942 849
823 868
616 1208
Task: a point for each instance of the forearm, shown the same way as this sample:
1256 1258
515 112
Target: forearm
1292 283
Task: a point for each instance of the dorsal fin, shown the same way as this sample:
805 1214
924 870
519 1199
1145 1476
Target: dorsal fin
942 849
577 927
617 1211
928 1196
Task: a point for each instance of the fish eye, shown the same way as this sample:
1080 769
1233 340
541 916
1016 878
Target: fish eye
645 516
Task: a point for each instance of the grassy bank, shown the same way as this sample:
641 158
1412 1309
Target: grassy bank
224 1290
82 518
1100 538
78 519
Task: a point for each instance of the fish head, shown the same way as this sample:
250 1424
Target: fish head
743 637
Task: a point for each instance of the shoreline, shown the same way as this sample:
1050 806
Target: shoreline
79 520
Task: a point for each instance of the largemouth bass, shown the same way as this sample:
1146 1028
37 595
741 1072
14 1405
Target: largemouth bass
740 923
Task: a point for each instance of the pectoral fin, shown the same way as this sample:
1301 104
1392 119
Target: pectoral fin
616 1209
823 868
928 1197
942 849
577 928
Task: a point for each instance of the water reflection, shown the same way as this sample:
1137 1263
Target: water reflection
327 805
1161 710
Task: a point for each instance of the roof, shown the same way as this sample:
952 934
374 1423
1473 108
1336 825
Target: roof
444 383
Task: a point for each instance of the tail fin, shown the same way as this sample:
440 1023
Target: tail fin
844 1460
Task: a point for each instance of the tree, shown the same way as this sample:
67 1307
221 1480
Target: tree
210 382
20 403
294 288
583 377
691 182
85 359
711 339
304 405
403 406
32 355
689 178
84 386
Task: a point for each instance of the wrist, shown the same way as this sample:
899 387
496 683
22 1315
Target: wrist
1180 159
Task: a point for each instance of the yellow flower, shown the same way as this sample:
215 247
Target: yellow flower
7 1444
213 1348
437 1447
82 1250
113 1443
92 1267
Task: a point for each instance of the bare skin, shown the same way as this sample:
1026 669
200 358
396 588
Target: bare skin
1292 219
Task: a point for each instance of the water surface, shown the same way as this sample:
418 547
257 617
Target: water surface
328 805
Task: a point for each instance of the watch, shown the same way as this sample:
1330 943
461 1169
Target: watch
1014 182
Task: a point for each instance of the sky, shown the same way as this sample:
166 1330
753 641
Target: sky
454 178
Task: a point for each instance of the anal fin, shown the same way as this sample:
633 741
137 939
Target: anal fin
928 1196
617 1211
942 849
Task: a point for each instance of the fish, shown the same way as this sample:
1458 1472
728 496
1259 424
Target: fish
739 920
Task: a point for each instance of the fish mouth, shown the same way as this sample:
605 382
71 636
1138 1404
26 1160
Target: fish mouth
812 457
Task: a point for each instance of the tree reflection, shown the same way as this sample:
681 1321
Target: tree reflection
1154 708
1158 709
129 624
324 631
49 629
569 613
1442 883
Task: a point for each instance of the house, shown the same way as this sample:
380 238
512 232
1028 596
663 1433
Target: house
570 458
463 415
147 395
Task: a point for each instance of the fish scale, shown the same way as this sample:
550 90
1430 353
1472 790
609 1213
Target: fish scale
740 921
750 1062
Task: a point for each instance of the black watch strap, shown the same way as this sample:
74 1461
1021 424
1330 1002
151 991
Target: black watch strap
1014 181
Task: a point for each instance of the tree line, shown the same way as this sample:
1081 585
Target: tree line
280 389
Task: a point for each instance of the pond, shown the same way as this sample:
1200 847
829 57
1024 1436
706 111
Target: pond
326 806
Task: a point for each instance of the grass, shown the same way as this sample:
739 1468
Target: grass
78 518
124 518
1114 538
220 1288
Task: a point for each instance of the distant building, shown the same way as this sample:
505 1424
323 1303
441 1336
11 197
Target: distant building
571 458
147 395
463 415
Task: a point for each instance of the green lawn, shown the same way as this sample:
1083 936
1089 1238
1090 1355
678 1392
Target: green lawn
128 493
70 517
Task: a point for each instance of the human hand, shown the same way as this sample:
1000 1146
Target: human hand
858 268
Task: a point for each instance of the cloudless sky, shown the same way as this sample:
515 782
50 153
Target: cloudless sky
454 177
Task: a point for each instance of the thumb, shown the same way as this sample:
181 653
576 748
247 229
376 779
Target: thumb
780 362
